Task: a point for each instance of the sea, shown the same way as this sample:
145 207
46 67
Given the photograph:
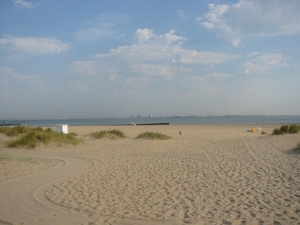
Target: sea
175 120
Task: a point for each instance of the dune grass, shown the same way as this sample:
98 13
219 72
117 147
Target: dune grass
112 134
153 136
31 137
287 129
294 129
4 156
14 131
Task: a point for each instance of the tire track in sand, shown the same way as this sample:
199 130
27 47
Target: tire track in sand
23 199
275 162
280 192
249 183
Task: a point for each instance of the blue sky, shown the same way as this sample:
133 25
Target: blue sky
91 59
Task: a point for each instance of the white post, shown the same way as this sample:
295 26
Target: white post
62 128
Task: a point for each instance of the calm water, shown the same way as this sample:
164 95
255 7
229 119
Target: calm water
170 120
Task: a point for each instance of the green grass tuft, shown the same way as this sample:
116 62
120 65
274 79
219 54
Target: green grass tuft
286 129
294 129
277 131
31 137
112 134
153 136
14 131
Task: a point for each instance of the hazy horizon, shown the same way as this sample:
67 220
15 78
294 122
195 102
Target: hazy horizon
97 59
143 116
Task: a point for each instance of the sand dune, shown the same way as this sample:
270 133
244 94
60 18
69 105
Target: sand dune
207 175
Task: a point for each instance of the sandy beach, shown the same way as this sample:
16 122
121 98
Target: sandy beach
210 174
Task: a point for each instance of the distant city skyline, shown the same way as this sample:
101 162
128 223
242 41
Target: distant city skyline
96 59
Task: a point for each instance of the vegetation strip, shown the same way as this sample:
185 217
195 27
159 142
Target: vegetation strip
286 129
31 137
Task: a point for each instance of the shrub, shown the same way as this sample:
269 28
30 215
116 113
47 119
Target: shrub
117 133
28 140
285 129
73 134
98 134
113 134
14 131
34 136
294 128
153 136
277 131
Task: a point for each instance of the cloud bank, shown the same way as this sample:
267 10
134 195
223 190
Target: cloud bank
152 55
264 62
252 18
33 45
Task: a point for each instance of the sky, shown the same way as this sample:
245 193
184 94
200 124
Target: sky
94 59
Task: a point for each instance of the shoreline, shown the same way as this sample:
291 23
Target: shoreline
171 120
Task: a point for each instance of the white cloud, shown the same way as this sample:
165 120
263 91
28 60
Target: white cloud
183 14
8 73
94 33
171 37
149 47
154 70
166 47
139 52
113 77
264 62
9 76
219 76
106 26
255 53
253 18
194 57
85 67
147 36
33 45
144 35
140 83
153 58
23 4
96 69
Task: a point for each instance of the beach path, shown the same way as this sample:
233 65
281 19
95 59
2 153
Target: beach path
23 198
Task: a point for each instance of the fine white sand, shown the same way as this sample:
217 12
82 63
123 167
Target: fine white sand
210 174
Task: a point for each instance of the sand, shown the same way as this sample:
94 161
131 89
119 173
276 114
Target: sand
210 174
